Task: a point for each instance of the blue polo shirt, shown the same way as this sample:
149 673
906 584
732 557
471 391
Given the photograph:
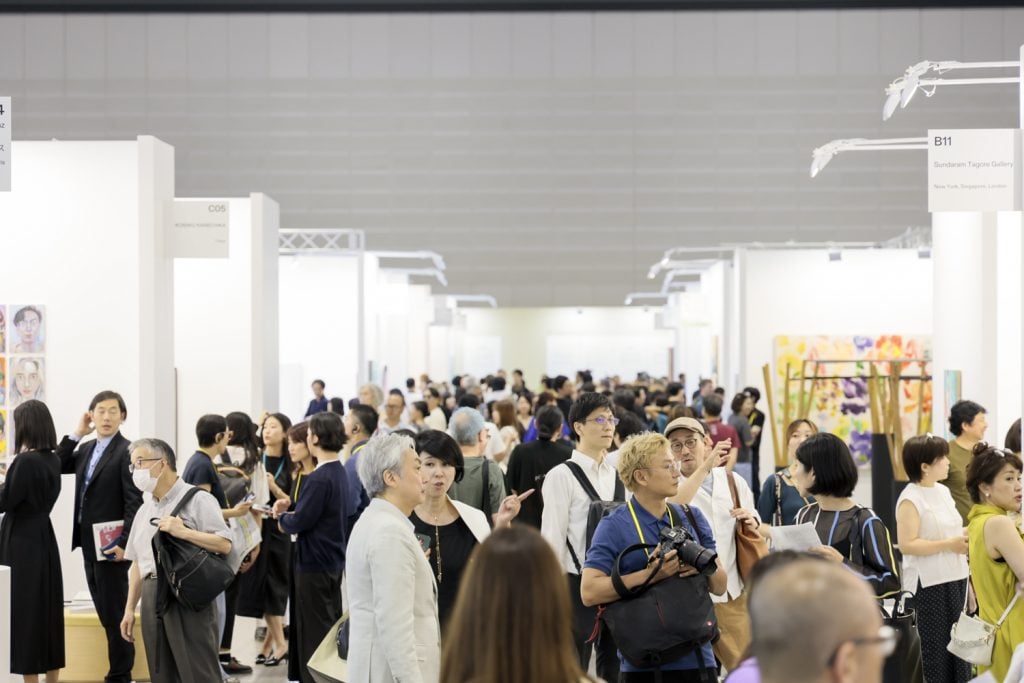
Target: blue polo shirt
617 532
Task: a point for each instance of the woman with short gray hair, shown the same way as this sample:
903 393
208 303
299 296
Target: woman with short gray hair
388 574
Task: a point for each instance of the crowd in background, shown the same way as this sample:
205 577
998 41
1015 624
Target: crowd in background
480 529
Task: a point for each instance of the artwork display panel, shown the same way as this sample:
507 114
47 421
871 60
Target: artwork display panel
841 405
27 329
23 338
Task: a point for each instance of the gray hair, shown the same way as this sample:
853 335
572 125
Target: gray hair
465 426
382 454
157 447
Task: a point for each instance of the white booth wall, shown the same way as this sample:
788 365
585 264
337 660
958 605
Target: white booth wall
802 292
226 322
83 231
606 340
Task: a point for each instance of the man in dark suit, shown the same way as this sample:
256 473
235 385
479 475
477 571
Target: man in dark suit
104 492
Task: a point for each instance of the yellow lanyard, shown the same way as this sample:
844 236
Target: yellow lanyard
298 483
639 530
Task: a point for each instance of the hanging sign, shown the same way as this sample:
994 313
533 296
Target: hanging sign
197 228
974 170
5 144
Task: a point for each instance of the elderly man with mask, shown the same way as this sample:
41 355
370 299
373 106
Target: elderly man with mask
706 487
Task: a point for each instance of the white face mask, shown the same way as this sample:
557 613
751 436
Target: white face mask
144 481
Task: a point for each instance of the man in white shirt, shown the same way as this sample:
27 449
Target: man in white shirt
688 442
566 508
181 645
394 406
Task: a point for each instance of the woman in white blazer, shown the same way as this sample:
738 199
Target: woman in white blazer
393 628
451 530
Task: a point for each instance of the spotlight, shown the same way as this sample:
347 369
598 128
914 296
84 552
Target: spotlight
894 94
822 156
910 86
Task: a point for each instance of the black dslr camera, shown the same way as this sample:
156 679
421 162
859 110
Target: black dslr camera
688 550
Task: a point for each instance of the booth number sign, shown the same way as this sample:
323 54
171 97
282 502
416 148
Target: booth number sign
5 144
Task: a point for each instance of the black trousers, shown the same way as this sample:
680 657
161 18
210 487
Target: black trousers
108 585
230 600
317 606
584 619
681 676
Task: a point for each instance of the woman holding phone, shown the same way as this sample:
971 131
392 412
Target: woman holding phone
450 530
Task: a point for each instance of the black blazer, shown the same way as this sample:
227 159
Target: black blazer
528 464
111 494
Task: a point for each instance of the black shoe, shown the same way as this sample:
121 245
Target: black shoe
236 667
274 661
260 659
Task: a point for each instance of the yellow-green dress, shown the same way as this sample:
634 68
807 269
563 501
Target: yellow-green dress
995 585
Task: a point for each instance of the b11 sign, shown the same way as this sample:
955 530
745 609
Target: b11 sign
5 144
974 170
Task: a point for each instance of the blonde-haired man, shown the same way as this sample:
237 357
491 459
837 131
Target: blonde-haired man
647 468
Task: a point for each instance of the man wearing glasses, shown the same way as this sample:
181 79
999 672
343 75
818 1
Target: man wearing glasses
707 486
181 645
567 507
816 621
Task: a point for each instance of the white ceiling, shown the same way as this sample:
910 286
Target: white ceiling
550 158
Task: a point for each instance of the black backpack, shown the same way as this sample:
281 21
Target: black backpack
599 508
187 573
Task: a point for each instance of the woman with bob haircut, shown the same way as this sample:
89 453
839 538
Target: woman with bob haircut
849 534
934 546
494 616
996 549
449 528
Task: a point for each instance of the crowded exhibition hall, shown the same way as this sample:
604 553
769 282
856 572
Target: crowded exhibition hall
511 341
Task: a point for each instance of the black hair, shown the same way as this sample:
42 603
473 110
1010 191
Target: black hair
243 433
320 382
754 393
1012 441
584 407
498 384
431 391
457 381
629 425
713 405
548 420
328 430
737 403
285 423
398 393
442 446
337 405
207 429
20 315
33 427
963 412
983 468
922 450
410 383
353 402
517 371
108 396
829 457
720 391
625 399
405 432
468 401
558 382
703 383
422 407
367 418
673 388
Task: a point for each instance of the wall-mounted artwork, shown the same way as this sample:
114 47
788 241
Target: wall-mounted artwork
3 329
27 329
28 379
838 401
3 432
3 385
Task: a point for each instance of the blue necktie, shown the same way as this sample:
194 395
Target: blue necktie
97 453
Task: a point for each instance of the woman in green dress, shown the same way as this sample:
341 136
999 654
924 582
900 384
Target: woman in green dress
996 548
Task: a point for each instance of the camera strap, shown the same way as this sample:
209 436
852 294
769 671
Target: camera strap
639 529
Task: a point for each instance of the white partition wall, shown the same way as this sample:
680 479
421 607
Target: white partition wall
83 236
226 322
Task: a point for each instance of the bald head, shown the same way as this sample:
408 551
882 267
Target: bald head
804 613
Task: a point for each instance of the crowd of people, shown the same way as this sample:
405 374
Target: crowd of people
480 530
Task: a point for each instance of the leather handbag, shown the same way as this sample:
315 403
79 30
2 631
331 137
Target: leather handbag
750 545
193 576
905 665
972 638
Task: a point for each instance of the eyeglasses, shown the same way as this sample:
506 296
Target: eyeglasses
137 464
691 443
670 467
603 421
887 637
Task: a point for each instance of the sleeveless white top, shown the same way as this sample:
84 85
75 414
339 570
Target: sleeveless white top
939 521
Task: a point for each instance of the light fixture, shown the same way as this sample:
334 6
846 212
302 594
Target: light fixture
643 296
421 272
456 300
902 90
437 259
824 154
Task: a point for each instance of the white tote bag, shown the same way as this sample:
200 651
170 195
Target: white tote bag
972 639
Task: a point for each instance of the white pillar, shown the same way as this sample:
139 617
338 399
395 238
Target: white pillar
964 253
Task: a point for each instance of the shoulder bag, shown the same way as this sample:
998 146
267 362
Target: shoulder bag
599 508
192 575
972 638
750 545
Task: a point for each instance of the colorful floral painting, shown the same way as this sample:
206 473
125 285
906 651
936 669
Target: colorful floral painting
841 403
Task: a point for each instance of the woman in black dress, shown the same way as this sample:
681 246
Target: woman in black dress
29 546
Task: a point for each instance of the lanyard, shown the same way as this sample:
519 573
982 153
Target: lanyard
298 483
280 465
639 530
